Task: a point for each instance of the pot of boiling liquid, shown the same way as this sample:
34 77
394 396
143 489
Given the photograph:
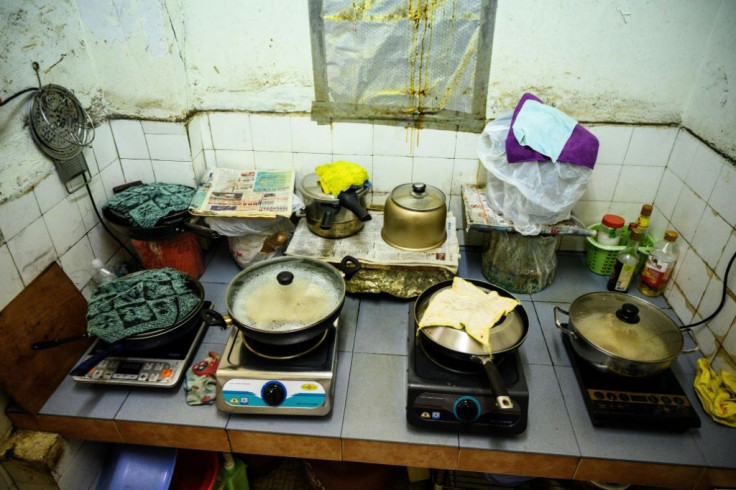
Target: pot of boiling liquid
622 334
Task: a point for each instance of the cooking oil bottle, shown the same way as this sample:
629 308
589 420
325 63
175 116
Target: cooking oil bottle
659 265
626 262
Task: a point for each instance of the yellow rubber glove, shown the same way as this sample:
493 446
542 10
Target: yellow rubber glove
717 393
339 176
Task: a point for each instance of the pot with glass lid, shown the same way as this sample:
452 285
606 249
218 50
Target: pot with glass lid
285 300
621 334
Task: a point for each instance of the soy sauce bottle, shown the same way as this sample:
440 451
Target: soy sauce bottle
627 259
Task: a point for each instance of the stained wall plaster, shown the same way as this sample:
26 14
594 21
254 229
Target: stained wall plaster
660 62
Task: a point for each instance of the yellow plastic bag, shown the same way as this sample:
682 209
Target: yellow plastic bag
717 393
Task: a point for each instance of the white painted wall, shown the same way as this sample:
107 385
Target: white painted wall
661 61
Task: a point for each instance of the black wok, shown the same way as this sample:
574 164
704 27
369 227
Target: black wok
170 225
505 337
136 342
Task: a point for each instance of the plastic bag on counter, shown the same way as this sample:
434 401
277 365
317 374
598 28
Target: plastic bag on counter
251 240
531 193
518 263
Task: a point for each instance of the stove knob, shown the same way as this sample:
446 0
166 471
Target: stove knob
273 393
467 409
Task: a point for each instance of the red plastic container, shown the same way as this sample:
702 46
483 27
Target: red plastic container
181 252
195 470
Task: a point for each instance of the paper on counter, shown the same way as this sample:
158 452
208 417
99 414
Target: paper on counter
369 248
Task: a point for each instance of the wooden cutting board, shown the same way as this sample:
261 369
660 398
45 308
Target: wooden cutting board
50 308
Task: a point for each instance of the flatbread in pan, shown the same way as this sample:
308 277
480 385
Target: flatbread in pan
465 306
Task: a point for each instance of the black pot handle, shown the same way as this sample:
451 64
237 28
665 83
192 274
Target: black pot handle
349 200
46 344
214 319
628 313
328 213
349 266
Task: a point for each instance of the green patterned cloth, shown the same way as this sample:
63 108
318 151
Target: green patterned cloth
143 205
141 302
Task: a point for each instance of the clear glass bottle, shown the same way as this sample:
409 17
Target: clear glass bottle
625 266
660 263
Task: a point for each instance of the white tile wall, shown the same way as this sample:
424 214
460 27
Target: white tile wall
691 186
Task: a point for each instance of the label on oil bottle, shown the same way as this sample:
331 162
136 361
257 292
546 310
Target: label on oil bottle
621 277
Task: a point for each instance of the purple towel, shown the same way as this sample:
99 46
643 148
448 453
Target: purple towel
581 148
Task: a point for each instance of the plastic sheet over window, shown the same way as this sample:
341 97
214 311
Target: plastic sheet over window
409 62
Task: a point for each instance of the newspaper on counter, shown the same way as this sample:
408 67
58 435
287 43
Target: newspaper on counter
480 216
369 248
245 194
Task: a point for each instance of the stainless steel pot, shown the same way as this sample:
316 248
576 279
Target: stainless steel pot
622 334
414 217
333 217
286 300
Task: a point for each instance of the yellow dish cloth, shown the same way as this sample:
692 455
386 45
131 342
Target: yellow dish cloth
339 176
717 393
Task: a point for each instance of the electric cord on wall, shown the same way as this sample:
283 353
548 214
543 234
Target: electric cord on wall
29 89
723 297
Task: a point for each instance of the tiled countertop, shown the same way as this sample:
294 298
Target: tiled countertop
368 421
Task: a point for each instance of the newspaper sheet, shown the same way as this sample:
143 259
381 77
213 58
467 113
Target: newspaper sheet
480 216
369 248
245 194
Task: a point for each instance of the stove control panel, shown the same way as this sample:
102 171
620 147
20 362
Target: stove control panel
135 372
448 410
293 394
643 403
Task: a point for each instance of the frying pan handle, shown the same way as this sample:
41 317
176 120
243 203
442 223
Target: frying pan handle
565 327
46 344
497 384
85 366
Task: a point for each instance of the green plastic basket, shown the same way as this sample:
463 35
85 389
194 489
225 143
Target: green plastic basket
600 258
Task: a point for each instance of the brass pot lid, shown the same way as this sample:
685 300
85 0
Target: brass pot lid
418 197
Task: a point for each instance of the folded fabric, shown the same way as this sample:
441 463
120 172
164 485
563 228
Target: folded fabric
717 393
141 302
580 148
543 128
144 205
200 383
337 177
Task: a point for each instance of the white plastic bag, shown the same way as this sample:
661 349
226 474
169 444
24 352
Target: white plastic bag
252 240
530 193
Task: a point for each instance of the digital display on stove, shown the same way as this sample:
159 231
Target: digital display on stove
129 367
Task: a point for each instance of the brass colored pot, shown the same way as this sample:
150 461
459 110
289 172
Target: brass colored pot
414 217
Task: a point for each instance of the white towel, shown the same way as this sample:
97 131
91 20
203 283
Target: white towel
543 128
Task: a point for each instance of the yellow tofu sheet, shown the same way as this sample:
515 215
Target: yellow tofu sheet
466 306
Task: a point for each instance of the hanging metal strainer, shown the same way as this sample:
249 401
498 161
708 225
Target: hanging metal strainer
61 128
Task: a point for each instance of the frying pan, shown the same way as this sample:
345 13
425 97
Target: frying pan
505 337
142 341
